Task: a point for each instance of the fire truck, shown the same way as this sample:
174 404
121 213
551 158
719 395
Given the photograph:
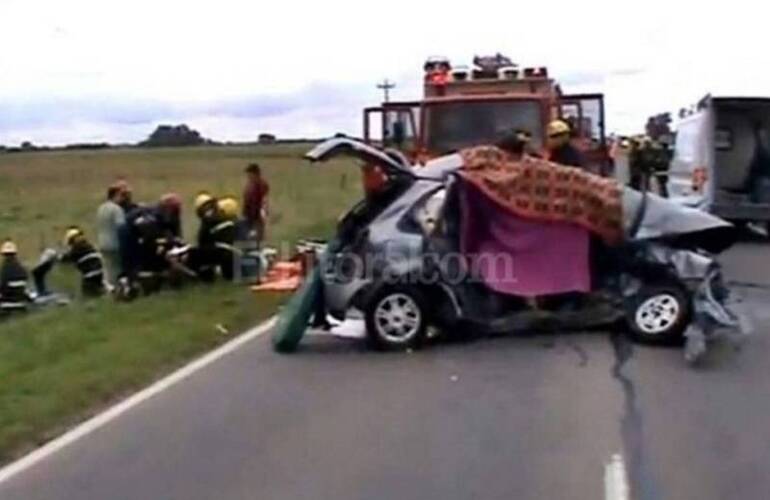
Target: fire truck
463 107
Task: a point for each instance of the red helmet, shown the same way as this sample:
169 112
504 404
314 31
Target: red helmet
171 201
122 185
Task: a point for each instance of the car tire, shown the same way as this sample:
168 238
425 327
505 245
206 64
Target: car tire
396 318
659 315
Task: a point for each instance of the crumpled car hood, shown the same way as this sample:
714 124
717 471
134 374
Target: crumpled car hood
664 219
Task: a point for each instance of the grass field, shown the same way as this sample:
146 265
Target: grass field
59 365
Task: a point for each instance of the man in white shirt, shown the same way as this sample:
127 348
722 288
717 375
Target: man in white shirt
110 218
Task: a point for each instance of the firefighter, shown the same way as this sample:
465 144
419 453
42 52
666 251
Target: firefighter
202 256
147 262
223 234
516 144
156 233
662 165
560 148
216 238
228 208
169 211
14 296
648 159
82 254
153 231
639 173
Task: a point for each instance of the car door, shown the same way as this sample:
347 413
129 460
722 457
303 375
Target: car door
368 154
689 175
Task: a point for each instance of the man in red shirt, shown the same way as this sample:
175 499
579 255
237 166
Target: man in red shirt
374 180
255 202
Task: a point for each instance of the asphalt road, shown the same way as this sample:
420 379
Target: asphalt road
512 418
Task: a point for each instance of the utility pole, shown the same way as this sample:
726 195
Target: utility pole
386 86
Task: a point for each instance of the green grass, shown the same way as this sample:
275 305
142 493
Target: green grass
60 365
43 193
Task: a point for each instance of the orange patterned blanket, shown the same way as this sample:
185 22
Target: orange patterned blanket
541 190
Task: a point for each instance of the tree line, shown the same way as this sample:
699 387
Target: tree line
164 136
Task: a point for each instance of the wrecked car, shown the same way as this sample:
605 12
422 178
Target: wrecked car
461 245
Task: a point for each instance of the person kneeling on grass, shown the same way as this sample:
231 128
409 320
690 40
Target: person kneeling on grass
216 238
155 231
87 260
14 296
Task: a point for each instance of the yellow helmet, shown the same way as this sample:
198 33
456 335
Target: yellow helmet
9 248
523 135
642 141
72 234
228 207
558 127
202 199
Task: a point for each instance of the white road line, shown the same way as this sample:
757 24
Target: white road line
615 479
116 411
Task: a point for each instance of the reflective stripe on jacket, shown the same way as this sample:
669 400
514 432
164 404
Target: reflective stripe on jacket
13 284
86 259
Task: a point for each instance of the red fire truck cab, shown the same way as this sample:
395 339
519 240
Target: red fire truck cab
462 108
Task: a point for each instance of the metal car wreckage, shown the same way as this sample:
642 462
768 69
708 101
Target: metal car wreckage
406 258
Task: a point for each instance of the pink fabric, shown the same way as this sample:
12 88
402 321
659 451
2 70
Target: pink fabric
518 256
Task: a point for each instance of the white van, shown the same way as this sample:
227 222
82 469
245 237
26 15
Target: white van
721 159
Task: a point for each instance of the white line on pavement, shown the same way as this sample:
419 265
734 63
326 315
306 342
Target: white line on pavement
114 412
615 480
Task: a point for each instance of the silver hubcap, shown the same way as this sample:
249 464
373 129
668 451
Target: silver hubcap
657 314
397 318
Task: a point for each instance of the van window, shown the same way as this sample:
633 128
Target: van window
723 139
748 126
686 150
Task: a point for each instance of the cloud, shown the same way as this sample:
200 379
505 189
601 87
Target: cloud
583 78
101 70
65 110
627 72
317 110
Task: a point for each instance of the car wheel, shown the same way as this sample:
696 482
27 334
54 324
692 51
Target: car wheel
396 319
659 315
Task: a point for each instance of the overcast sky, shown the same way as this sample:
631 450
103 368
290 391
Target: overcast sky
78 71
